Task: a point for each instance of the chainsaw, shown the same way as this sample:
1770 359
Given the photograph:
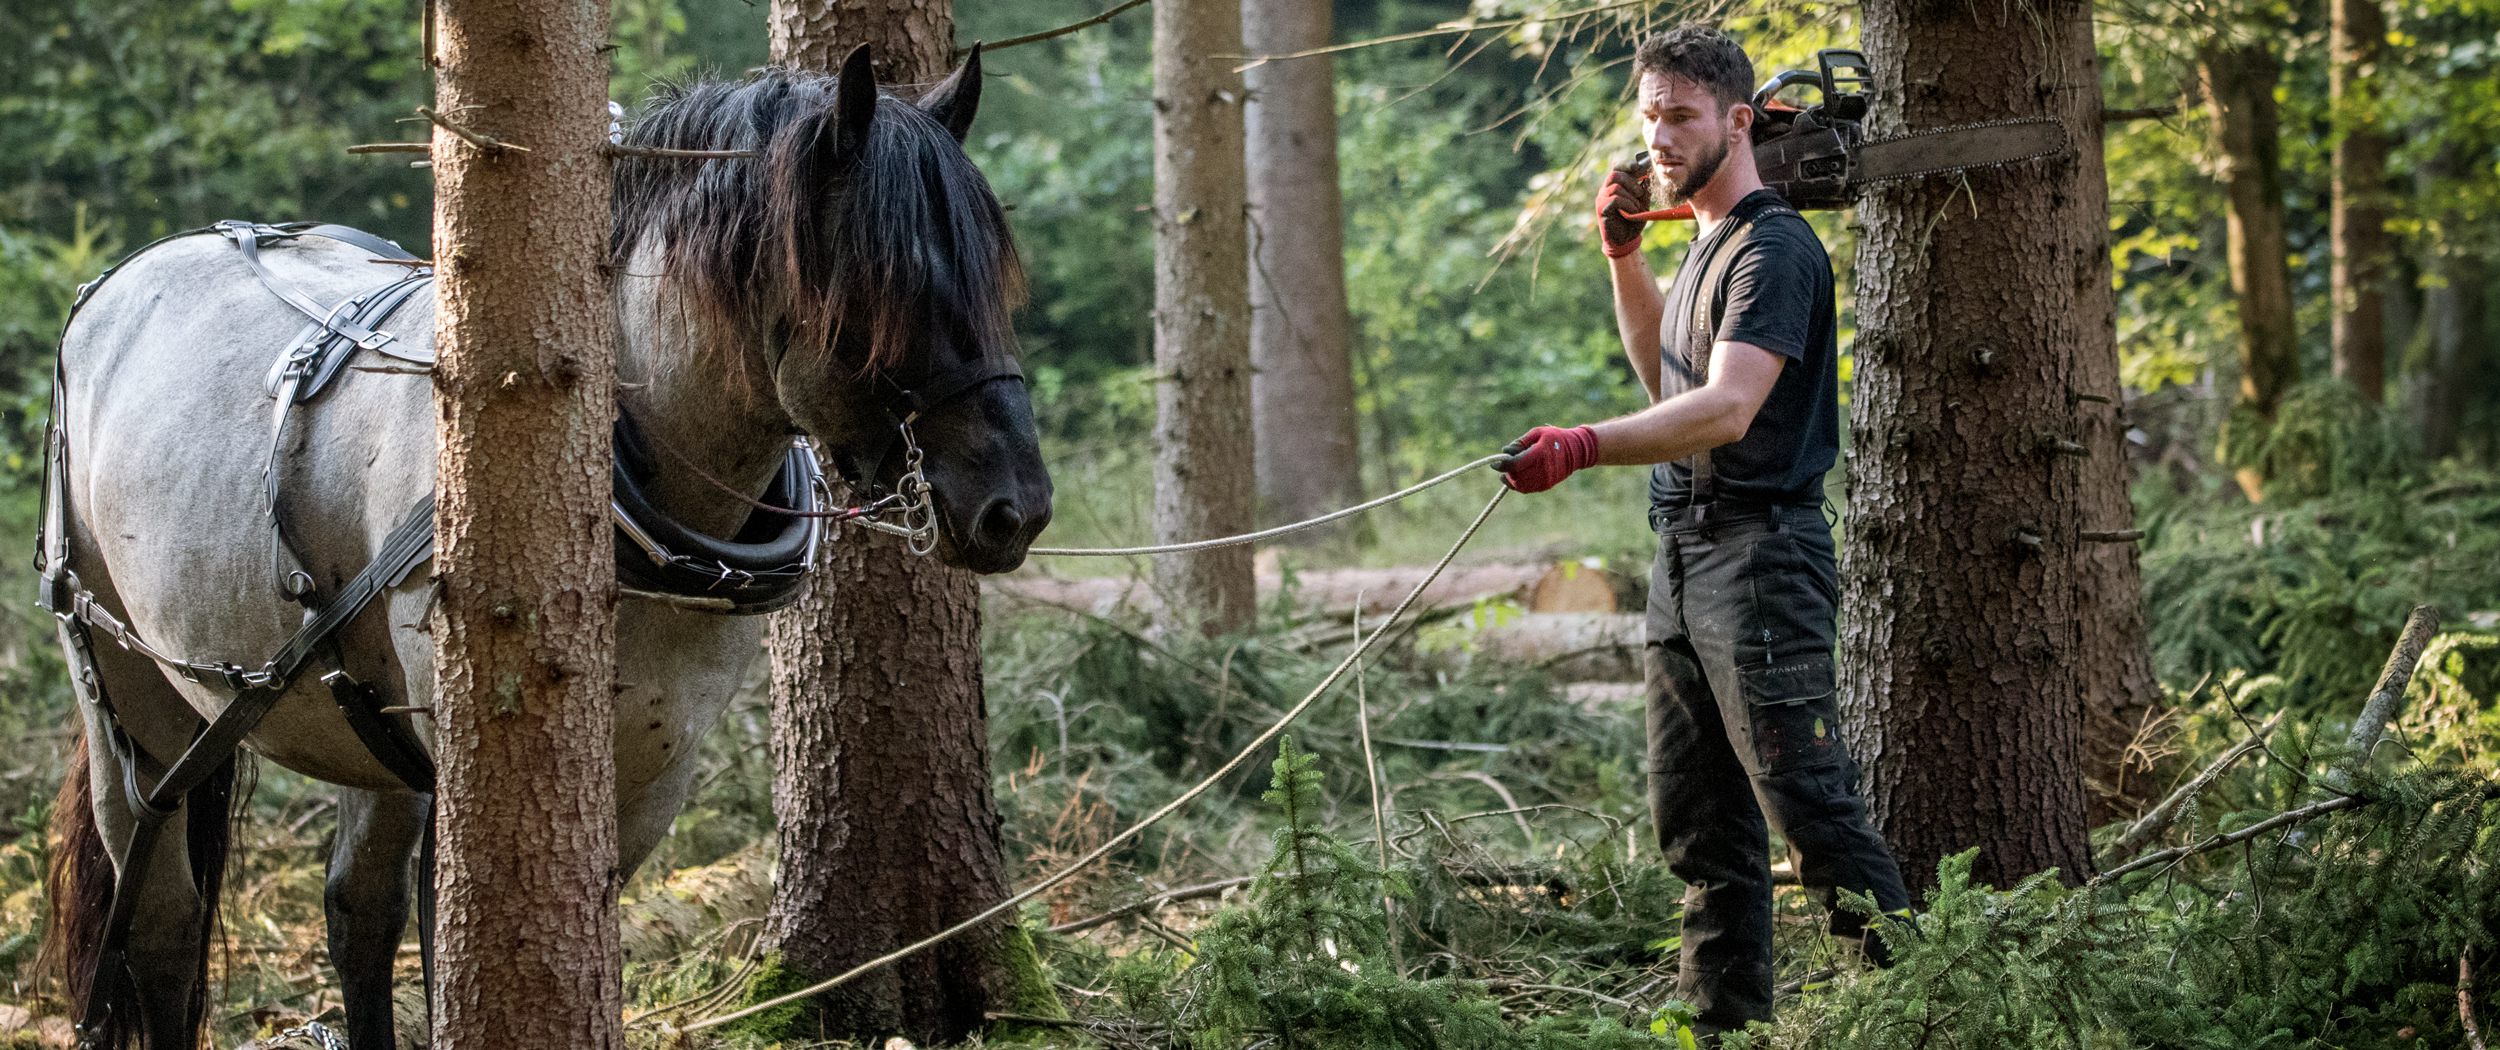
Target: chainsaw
1818 156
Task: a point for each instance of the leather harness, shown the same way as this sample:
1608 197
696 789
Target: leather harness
760 569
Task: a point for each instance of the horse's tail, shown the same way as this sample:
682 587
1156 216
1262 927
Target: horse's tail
80 887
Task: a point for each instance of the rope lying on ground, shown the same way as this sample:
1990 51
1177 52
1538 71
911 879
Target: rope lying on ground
1168 808
1263 534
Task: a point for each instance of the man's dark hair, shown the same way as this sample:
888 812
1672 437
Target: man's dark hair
1700 54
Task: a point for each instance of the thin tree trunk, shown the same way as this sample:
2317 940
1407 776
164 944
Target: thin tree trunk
1301 334
525 626
2121 695
2357 222
1963 586
881 787
1203 483
2452 324
2239 81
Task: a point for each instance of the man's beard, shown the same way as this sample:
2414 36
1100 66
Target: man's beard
1676 188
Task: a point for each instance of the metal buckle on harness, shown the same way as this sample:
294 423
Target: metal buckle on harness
233 676
56 592
258 231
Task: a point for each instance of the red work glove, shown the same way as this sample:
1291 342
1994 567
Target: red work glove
1543 457
1626 189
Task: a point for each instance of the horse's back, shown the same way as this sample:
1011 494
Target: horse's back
168 427
169 424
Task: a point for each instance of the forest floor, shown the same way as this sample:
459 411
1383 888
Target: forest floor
1529 905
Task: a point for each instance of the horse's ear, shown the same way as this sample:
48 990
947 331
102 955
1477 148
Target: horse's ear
957 97
854 101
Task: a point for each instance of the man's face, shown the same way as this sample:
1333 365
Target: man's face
1689 134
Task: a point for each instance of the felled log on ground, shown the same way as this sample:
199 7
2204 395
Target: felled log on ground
1574 647
1541 586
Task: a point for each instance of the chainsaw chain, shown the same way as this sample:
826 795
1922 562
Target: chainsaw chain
1941 168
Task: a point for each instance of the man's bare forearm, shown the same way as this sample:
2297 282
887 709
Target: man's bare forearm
1694 421
1638 307
1705 417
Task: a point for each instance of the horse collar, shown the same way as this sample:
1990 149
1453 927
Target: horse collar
758 569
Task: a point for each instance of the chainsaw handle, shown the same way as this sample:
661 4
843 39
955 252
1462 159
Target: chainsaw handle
1679 212
1841 79
1786 79
1640 168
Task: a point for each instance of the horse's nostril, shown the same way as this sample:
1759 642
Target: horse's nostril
1000 524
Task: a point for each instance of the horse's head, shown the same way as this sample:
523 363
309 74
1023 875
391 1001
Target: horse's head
871 269
900 325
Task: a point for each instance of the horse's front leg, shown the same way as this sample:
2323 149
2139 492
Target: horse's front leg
366 900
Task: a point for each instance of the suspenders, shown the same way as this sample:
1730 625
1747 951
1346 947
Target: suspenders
1703 334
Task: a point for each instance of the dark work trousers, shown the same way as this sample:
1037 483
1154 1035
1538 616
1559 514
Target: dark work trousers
1743 725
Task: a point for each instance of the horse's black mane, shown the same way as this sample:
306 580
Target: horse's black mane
903 241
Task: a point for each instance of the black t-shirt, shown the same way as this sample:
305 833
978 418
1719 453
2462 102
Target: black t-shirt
1776 295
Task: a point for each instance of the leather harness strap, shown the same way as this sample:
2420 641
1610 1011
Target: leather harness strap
409 544
955 382
912 402
247 237
314 357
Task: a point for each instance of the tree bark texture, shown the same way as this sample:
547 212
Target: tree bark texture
2357 220
913 40
525 623
881 786
1203 467
2120 691
881 790
1301 334
1964 589
2239 80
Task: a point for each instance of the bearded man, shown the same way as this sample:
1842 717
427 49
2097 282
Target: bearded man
1741 361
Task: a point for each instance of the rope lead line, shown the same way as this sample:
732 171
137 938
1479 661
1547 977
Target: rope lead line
1168 808
1263 534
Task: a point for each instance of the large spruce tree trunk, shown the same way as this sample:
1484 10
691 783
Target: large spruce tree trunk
881 784
2239 78
1301 335
1964 585
525 625
2357 222
1203 483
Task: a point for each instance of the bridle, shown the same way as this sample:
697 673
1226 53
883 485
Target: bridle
911 497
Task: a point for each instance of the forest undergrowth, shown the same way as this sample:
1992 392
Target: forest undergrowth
1504 889
1515 898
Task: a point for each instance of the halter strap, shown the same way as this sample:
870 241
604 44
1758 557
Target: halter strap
954 382
931 393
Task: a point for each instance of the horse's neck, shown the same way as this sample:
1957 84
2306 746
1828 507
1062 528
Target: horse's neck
698 417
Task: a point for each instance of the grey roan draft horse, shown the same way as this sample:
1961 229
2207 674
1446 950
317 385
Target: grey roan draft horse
811 288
